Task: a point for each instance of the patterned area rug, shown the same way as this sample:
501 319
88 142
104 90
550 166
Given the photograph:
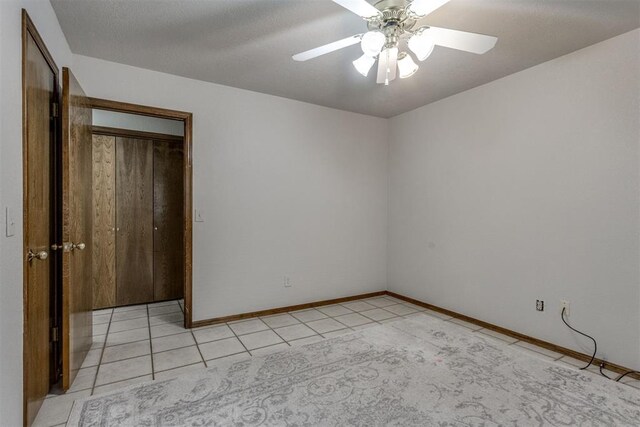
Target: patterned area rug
417 372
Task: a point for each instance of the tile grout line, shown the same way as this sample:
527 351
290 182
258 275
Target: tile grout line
126 358
347 326
342 323
121 381
300 322
304 338
128 342
274 331
204 342
179 367
337 320
327 317
132 329
131 318
238 338
314 330
104 346
198 348
378 321
153 375
228 355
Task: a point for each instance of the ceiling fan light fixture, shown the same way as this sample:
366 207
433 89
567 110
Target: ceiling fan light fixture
391 23
372 43
406 66
364 64
422 44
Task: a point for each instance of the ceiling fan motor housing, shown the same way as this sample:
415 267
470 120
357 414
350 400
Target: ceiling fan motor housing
394 21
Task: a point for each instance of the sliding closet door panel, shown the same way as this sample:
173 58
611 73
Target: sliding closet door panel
104 221
134 213
168 203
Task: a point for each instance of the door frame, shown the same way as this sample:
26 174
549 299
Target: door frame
29 29
187 119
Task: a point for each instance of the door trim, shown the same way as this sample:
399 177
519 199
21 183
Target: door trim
127 133
187 119
29 29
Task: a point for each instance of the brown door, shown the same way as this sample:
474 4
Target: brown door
77 285
134 221
104 221
168 218
39 85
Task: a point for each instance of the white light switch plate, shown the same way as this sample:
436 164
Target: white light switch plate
10 222
198 216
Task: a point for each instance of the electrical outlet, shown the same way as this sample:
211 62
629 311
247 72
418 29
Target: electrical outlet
287 282
539 305
566 305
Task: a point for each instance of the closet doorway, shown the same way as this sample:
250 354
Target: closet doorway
142 179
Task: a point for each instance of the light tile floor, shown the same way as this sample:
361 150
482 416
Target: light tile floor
147 342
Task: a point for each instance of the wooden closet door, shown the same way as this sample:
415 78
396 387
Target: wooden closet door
104 221
168 213
134 221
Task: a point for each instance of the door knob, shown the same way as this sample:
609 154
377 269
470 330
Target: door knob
79 246
41 255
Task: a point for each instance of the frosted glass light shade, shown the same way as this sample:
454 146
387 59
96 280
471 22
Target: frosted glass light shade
364 64
406 66
372 43
422 44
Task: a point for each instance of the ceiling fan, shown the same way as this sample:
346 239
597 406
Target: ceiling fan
391 22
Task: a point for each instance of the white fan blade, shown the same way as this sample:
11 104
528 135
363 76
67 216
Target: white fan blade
359 7
425 7
461 40
327 48
387 65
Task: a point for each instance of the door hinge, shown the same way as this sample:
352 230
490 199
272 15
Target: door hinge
55 109
55 334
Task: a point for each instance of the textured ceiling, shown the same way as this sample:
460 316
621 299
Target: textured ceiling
249 43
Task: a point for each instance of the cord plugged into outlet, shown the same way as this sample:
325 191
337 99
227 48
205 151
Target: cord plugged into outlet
563 315
566 307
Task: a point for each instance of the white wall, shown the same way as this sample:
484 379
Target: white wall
137 122
11 250
285 188
523 189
